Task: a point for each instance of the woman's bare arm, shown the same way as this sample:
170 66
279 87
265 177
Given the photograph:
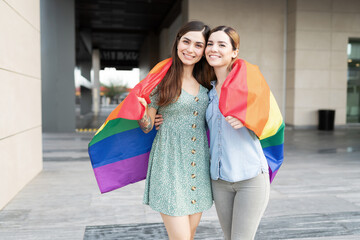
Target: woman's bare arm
146 123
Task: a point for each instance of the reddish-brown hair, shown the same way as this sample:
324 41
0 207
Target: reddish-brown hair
169 89
233 36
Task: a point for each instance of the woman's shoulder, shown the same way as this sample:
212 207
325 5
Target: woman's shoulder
154 91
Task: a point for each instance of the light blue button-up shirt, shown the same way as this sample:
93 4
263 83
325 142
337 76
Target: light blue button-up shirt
236 154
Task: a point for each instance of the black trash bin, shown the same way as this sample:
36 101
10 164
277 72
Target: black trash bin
326 119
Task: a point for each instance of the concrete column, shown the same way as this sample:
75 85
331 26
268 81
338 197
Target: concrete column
96 81
149 54
85 100
164 46
57 65
85 68
86 91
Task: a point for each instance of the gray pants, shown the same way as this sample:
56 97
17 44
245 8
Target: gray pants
240 205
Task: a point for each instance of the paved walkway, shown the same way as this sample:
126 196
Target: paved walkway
316 195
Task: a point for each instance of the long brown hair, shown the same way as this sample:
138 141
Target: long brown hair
169 89
234 39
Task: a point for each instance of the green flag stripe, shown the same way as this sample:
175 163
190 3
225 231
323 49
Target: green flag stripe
114 126
274 140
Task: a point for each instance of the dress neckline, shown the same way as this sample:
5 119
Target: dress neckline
191 94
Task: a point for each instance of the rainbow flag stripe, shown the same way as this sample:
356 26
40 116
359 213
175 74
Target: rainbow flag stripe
119 151
246 96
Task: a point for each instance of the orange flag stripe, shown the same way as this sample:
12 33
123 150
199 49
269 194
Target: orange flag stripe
115 112
257 113
159 66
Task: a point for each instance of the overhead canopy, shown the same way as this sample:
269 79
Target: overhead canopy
118 28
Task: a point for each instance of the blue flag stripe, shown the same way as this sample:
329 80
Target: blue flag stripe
121 146
274 156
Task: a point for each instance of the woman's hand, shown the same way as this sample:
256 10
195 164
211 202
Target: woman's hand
234 122
158 121
145 122
143 102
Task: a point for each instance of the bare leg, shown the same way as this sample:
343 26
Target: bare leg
194 222
178 228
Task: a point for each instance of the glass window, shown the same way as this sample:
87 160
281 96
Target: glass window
353 82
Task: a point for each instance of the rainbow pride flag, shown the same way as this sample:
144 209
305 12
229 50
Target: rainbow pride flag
119 151
246 96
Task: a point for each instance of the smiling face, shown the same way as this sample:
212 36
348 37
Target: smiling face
219 50
191 47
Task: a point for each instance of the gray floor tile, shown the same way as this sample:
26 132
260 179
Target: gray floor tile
315 196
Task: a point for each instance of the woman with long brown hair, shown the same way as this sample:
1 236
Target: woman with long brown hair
178 181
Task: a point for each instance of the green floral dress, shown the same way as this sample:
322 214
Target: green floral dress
178 176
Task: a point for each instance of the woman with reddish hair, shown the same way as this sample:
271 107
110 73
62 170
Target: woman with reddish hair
239 170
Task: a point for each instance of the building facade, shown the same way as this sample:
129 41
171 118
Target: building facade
301 47
20 96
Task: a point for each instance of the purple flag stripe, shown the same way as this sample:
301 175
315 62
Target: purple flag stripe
272 174
118 174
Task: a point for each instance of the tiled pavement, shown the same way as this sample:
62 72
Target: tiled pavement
316 195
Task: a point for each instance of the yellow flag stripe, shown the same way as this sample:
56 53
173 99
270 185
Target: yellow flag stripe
102 126
274 121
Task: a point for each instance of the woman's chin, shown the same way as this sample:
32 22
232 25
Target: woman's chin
214 64
189 62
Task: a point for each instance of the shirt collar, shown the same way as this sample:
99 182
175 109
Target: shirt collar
212 92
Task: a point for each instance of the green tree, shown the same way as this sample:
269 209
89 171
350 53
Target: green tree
113 92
